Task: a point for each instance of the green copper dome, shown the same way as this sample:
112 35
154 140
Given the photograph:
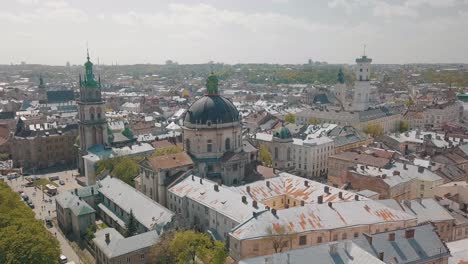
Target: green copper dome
212 108
283 133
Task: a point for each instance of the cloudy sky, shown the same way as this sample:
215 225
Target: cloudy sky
236 31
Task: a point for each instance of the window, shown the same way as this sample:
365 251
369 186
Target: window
319 239
302 240
142 256
209 145
335 237
356 234
255 247
187 144
128 259
344 236
276 153
289 154
227 144
284 244
422 187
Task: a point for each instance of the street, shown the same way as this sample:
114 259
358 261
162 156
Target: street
43 207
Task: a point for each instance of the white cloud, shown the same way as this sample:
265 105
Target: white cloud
385 10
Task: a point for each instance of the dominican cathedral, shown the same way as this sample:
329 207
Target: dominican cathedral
213 137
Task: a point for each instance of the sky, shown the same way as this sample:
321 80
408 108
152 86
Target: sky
237 31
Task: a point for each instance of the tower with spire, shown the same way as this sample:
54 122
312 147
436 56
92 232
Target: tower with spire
362 84
92 119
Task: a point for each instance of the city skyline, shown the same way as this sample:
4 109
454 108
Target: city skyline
272 31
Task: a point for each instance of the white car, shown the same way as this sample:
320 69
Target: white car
63 259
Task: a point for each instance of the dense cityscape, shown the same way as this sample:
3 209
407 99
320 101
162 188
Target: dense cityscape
249 163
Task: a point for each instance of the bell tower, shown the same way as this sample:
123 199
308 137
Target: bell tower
362 84
92 118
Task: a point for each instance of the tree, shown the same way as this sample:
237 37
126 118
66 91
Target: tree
265 156
168 150
404 126
290 118
125 168
279 237
373 129
189 245
23 239
89 235
409 103
160 252
131 225
313 121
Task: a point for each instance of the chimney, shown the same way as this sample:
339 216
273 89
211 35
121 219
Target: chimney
381 254
244 199
306 183
193 178
405 167
409 233
326 189
380 169
201 181
391 236
76 191
320 199
330 204
420 169
273 211
254 204
384 176
340 195
268 184
362 167
216 187
368 237
254 214
302 203
107 238
356 197
395 173
248 189
92 190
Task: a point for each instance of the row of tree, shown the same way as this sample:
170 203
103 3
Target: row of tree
188 247
23 239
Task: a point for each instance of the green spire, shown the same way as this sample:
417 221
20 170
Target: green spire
212 84
341 77
89 80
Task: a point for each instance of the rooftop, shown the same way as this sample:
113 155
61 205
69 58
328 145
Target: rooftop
169 161
148 212
118 245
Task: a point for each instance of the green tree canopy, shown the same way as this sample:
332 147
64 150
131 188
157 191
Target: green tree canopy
23 239
265 156
404 126
290 118
189 245
313 121
373 129
125 168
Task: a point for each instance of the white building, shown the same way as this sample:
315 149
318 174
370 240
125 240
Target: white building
362 85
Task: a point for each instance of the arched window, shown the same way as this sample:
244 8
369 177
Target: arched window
91 113
276 153
187 144
228 144
209 145
289 154
99 111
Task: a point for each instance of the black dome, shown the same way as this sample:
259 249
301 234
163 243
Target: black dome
214 108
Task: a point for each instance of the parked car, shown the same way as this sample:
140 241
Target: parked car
63 259
30 204
61 182
12 176
29 184
25 197
54 178
48 221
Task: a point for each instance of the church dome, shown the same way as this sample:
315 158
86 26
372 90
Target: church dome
283 133
212 109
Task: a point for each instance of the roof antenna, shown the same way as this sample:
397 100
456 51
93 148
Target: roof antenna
87 50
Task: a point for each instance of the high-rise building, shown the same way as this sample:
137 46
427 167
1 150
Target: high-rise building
92 118
362 84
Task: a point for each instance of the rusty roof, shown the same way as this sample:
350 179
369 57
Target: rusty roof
294 187
169 161
363 158
313 217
